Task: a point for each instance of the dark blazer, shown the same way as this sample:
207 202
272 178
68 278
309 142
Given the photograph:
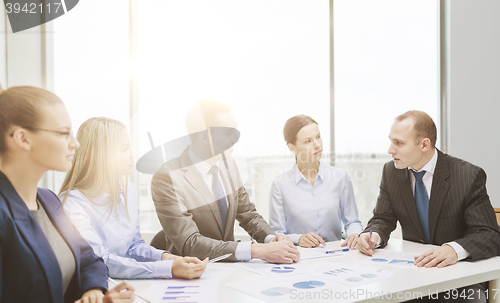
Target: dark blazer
459 208
189 213
29 271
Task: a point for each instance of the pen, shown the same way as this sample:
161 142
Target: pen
220 258
116 283
336 250
370 241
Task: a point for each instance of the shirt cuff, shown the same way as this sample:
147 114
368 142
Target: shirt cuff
268 238
459 250
379 239
295 238
156 255
163 269
243 251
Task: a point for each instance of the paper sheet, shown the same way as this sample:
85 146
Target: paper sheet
272 289
215 272
348 274
392 258
174 291
317 252
273 270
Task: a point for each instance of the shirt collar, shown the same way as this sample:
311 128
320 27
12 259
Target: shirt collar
202 166
299 176
431 165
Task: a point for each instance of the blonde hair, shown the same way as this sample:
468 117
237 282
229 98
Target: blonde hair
20 106
95 164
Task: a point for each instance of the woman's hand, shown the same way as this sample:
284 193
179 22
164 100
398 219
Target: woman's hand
188 267
351 242
121 293
311 240
91 296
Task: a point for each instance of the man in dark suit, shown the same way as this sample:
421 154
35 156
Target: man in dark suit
199 195
437 199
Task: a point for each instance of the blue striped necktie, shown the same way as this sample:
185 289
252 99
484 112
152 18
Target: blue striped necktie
422 201
219 195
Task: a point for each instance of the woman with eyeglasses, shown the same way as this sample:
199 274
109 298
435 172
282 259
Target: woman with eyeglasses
311 201
43 258
103 205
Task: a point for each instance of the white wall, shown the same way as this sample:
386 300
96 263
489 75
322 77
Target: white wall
474 86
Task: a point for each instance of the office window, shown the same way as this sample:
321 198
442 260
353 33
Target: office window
91 64
268 59
386 63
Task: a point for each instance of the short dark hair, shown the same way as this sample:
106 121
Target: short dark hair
423 125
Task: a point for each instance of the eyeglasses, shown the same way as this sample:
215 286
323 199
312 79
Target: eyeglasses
68 135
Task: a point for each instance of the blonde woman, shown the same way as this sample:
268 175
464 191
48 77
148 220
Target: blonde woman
103 206
42 258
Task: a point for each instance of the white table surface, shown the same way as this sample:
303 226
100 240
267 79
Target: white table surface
404 282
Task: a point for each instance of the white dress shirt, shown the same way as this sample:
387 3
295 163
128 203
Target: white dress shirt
115 237
429 168
244 249
297 207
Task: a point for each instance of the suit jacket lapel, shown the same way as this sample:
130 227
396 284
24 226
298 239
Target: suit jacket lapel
409 201
34 237
193 176
439 191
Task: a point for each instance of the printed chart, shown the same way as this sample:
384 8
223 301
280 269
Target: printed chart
273 270
282 288
353 275
390 258
174 291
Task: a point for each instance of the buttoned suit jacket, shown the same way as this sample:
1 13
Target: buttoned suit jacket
459 208
29 270
189 214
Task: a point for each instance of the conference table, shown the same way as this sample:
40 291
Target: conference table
404 284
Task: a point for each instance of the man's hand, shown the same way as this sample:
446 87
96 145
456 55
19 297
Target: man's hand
363 241
440 257
167 256
188 267
281 237
351 242
276 252
311 240
121 293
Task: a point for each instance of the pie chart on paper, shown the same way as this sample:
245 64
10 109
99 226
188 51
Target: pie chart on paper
283 269
309 284
276 291
379 260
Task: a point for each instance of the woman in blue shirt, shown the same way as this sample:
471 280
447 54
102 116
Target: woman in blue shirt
103 205
310 202
42 257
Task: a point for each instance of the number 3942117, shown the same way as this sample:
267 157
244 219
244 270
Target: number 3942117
33 8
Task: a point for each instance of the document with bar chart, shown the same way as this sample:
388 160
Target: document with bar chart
392 258
187 291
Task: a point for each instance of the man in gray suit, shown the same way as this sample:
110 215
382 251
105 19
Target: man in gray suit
200 194
437 199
